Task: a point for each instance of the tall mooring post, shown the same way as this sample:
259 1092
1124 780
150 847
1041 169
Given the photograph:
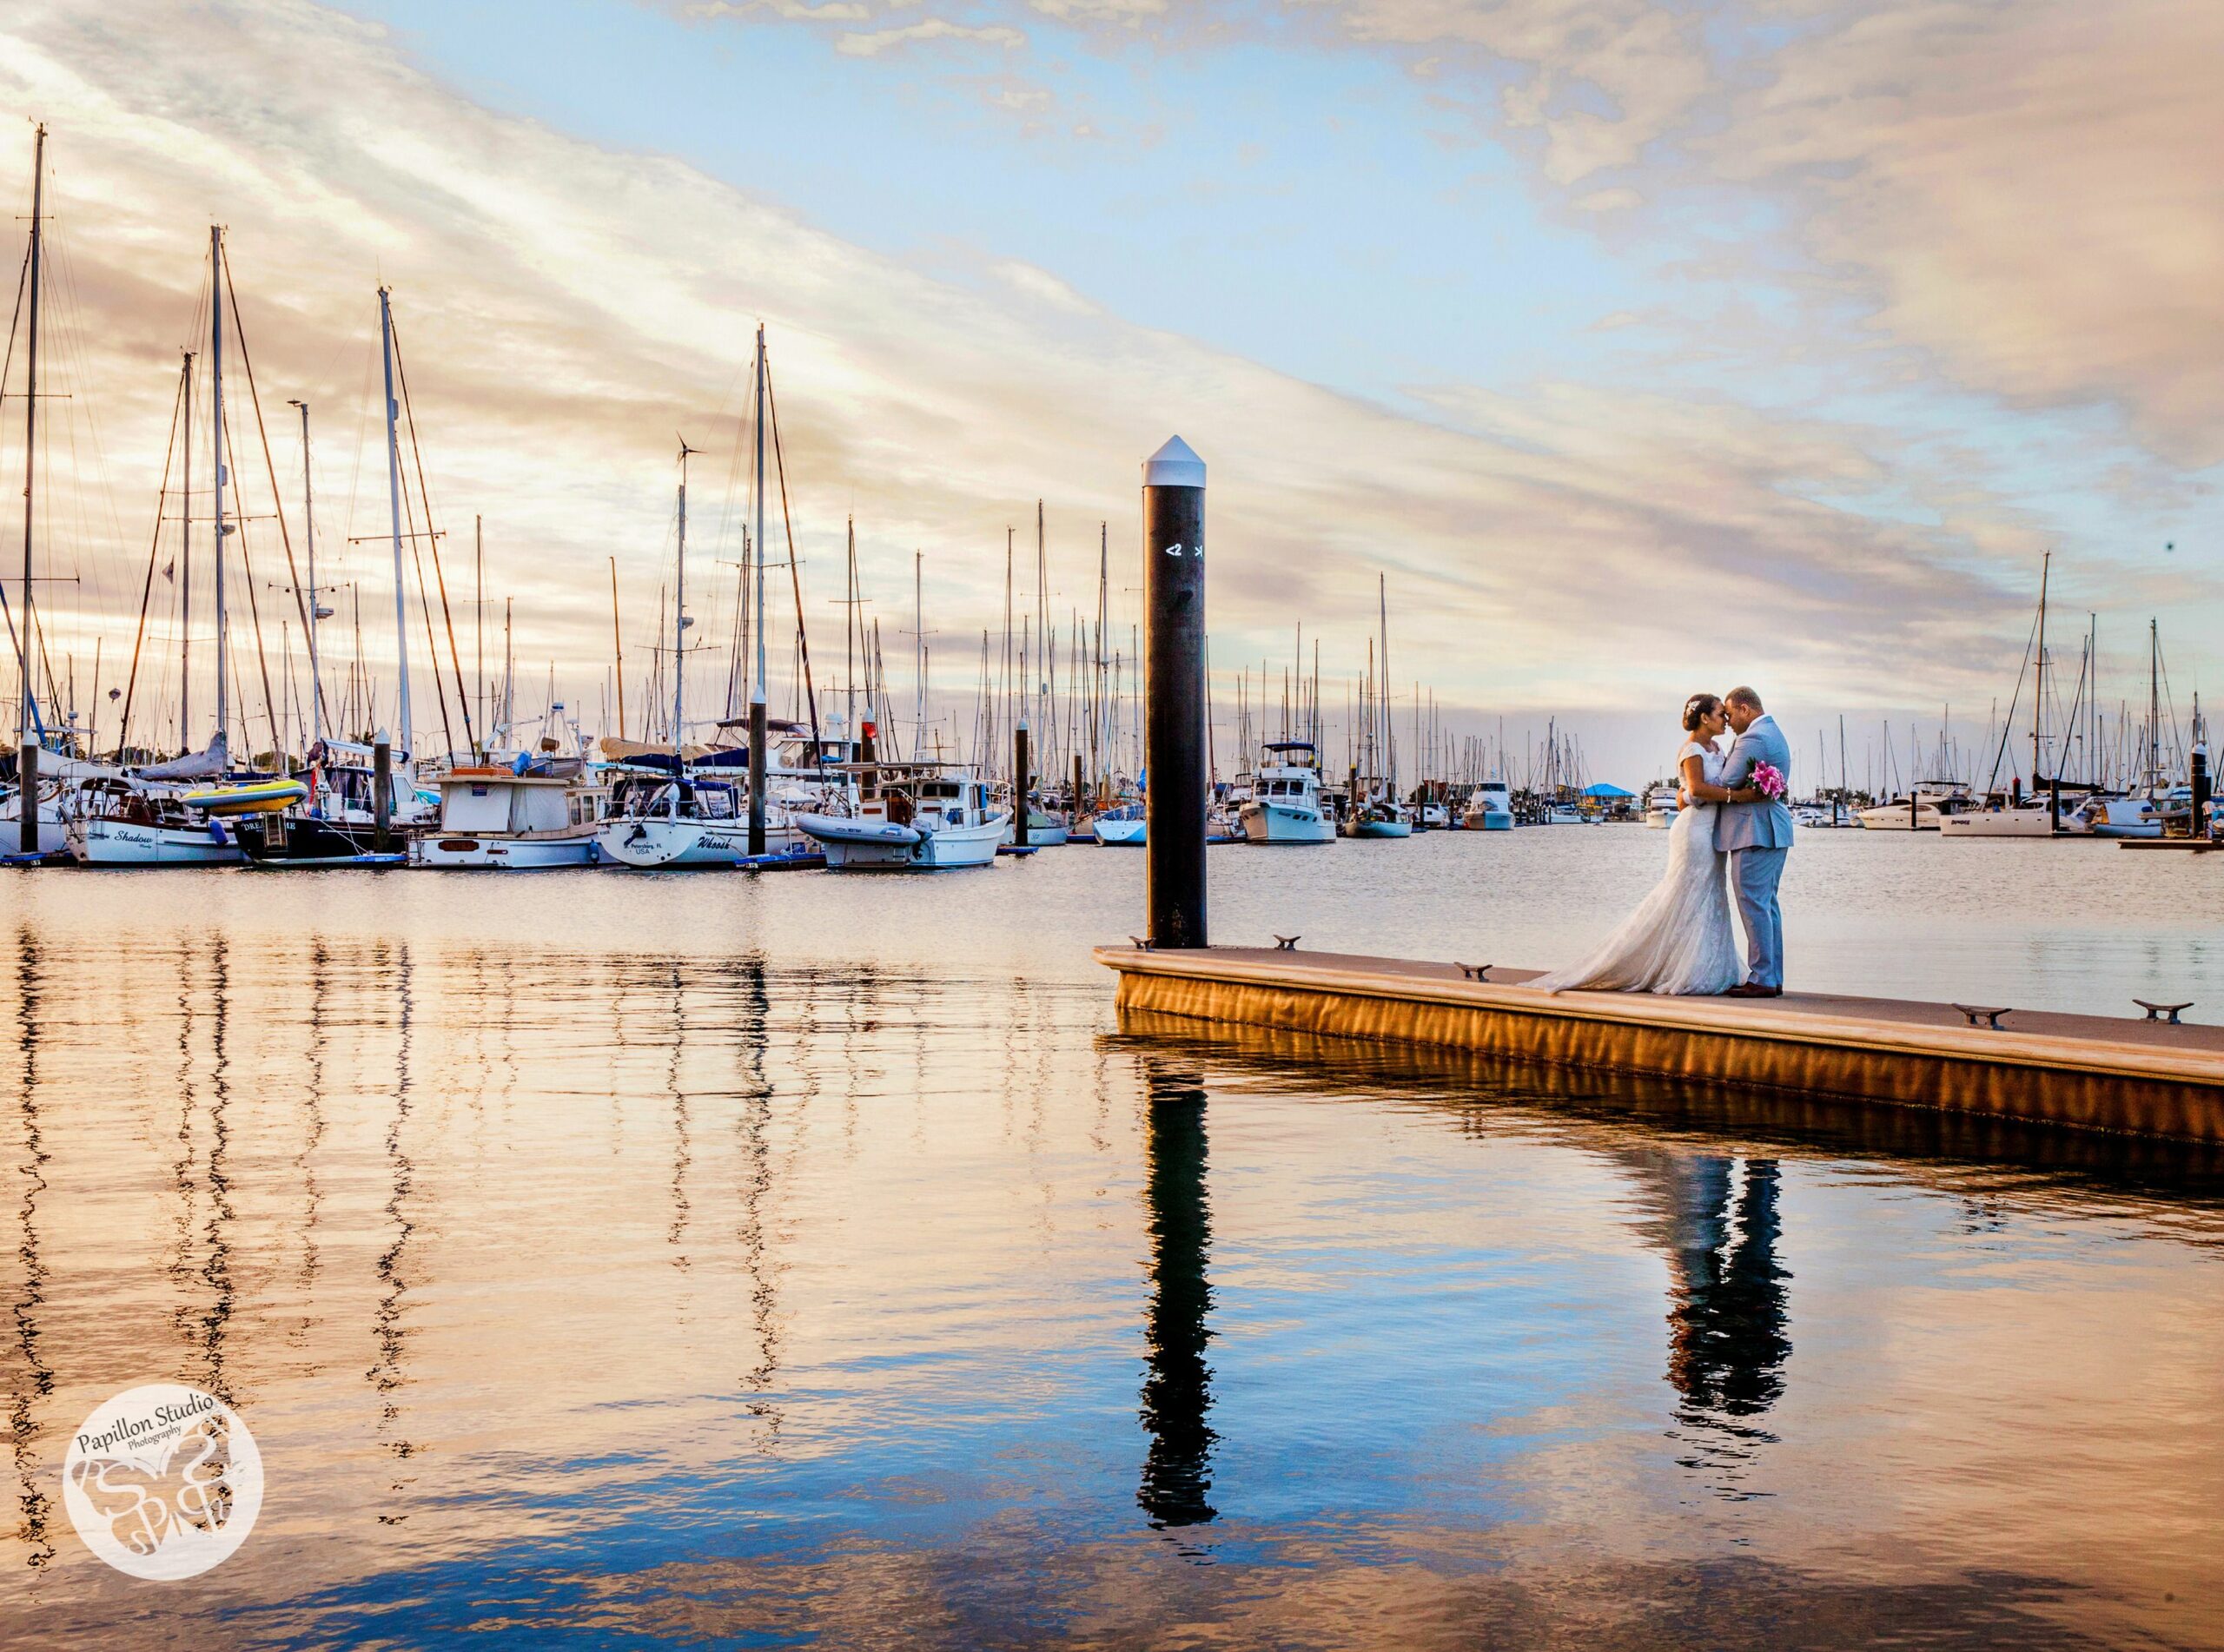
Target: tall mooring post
1173 694
382 793
1021 781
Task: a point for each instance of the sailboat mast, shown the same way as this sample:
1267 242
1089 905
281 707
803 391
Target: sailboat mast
26 743
759 728
216 430
2039 687
394 500
308 521
679 626
1389 735
849 632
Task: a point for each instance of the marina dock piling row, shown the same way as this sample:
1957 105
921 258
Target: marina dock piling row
1173 694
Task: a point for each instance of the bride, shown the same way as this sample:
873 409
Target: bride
1678 940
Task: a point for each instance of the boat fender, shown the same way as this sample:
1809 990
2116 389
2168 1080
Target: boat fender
594 852
216 831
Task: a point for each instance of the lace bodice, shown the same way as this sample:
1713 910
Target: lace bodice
1711 760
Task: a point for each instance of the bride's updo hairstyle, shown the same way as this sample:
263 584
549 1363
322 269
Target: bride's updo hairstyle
1698 710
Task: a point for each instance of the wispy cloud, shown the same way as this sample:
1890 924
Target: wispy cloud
568 307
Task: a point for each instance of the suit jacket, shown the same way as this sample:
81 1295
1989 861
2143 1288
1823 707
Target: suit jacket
1762 825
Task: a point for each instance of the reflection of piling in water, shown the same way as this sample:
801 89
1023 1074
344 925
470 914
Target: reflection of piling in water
1177 1390
1726 1322
31 1379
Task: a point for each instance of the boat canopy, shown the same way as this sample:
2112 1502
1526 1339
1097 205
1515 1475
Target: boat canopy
1605 789
205 764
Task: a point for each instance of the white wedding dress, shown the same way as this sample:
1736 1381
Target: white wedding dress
1679 939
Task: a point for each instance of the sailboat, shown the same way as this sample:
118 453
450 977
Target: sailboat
41 832
156 816
2011 815
678 819
339 820
1380 814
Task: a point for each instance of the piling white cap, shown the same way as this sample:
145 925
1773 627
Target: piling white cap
1175 464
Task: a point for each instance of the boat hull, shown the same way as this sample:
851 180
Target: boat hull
675 845
97 841
855 845
495 852
1270 823
1998 822
298 842
1383 829
1121 834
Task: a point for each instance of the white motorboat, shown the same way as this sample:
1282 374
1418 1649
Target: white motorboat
912 818
2002 818
1932 803
2120 817
1286 805
531 816
1121 827
665 824
1490 808
1662 805
1563 815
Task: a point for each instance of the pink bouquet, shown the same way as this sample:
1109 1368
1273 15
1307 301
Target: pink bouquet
1768 780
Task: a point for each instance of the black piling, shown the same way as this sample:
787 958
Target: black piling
2197 822
1021 780
382 794
758 733
1173 694
27 791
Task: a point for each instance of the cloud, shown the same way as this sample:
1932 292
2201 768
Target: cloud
566 308
850 44
2033 193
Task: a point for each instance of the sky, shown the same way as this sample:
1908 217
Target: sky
1638 349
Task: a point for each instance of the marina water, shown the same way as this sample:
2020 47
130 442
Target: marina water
606 1258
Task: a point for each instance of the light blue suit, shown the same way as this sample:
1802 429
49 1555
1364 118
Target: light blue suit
1757 837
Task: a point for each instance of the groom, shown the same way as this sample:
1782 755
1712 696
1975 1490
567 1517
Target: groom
1757 833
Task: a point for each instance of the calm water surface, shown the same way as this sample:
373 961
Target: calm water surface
606 1259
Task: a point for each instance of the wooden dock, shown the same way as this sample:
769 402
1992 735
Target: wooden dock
2086 1072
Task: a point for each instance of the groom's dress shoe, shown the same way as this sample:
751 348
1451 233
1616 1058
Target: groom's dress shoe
1753 989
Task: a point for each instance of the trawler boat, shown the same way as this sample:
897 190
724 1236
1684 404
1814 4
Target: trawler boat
1286 805
659 823
1490 808
531 816
1662 804
910 818
1933 803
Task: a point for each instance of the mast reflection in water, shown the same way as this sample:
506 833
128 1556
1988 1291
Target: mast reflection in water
1177 1391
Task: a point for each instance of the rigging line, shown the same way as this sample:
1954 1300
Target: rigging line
269 466
455 657
153 550
424 603
2007 722
795 573
254 610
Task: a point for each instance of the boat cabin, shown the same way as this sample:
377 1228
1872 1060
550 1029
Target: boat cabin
548 796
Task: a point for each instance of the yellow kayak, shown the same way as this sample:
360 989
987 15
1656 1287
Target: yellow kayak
263 798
